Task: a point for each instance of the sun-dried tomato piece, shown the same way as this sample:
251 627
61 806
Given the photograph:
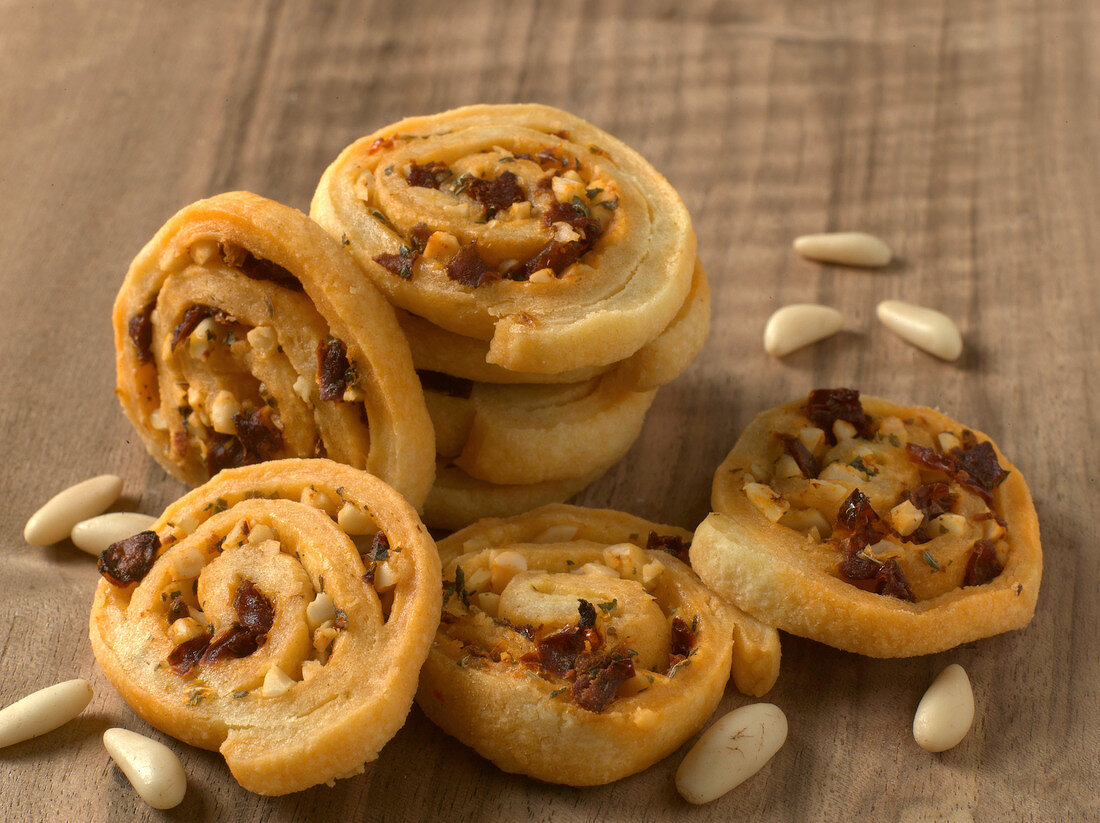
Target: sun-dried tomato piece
496 195
825 406
184 657
857 567
933 499
190 321
683 637
576 215
957 464
803 457
380 547
554 256
224 452
982 565
890 581
177 610
858 516
676 546
526 629
558 651
400 264
418 237
129 560
255 617
140 329
447 384
595 690
980 462
469 269
332 368
258 435
431 175
257 268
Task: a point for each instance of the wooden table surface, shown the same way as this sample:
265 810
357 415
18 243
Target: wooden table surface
964 133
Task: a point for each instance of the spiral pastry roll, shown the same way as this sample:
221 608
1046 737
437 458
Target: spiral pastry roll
279 614
881 529
570 652
243 333
655 364
519 225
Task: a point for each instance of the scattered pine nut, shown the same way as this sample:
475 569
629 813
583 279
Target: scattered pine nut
849 248
96 534
151 767
55 520
798 325
945 712
43 711
731 751
927 329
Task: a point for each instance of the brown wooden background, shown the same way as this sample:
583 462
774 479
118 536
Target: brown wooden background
965 133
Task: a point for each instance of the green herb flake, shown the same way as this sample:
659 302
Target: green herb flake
610 205
931 561
581 206
859 465
607 607
556 692
239 695
592 194
381 218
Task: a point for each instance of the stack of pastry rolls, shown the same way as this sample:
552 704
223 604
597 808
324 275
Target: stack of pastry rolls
546 278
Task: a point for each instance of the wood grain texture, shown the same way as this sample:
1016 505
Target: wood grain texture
963 133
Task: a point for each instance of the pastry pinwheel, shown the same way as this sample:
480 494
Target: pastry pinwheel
877 528
279 614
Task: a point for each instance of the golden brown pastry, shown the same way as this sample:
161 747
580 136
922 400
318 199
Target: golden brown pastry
656 363
519 225
881 529
279 614
519 435
571 652
243 333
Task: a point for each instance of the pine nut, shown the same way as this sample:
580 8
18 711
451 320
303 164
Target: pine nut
812 438
560 533
948 441
263 339
478 581
189 562
157 421
43 711
302 387
770 504
945 712
786 466
151 767
184 629
97 533
843 430
905 517
55 520
731 751
927 329
201 340
321 609
260 533
596 568
203 250
542 276
488 602
276 682
222 410
793 327
385 578
353 520
849 248
504 567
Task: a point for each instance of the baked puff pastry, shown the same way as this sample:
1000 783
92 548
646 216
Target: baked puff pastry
244 333
519 225
570 652
655 364
876 528
278 614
